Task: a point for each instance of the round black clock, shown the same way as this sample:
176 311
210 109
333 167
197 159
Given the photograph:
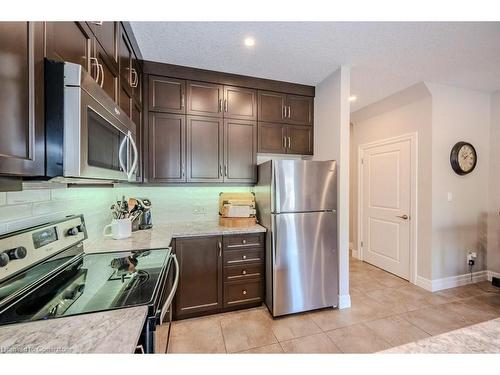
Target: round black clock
463 158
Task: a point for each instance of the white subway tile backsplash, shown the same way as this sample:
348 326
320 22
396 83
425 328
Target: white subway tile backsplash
16 212
28 196
3 198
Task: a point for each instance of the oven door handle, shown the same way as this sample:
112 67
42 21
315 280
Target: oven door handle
131 172
170 297
120 153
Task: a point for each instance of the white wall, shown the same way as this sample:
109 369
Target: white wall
331 142
442 115
408 111
460 225
493 257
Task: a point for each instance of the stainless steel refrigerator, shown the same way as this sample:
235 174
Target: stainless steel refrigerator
297 203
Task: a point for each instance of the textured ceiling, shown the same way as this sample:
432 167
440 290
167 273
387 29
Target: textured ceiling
384 57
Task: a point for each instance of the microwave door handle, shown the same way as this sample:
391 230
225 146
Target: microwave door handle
170 297
131 172
120 153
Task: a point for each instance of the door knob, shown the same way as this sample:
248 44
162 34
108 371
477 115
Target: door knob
404 217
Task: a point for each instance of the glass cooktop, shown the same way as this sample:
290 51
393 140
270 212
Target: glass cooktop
96 282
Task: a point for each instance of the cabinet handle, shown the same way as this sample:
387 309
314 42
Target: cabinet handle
244 257
225 105
183 170
244 272
220 249
95 63
97 23
243 241
102 73
289 142
244 292
289 111
220 170
135 78
182 100
225 170
284 142
283 112
220 105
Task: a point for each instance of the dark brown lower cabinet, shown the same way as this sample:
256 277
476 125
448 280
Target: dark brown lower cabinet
219 273
200 283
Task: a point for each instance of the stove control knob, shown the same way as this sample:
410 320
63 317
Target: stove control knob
18 253
4 259
72 231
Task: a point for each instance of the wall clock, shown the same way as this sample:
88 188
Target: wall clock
463 158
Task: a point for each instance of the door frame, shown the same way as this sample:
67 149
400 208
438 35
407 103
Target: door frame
413 138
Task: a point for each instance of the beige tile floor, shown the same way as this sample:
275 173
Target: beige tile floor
386 311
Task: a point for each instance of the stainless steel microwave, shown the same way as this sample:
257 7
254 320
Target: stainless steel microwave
88 137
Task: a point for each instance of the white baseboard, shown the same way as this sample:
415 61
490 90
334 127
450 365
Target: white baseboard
492 274
344 301
453 281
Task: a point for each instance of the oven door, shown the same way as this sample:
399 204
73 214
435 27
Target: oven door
96 144
161 334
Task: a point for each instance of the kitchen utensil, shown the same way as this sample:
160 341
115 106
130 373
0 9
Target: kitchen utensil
132 205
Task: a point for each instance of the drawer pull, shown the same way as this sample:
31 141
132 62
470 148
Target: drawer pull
244 272
244 257
245 275
244 292
244 241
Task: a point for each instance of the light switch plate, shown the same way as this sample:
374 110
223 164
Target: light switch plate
450 196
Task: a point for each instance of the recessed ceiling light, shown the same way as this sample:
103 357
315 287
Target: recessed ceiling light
353 98
249 41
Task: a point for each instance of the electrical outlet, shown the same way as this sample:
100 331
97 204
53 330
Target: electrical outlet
471 256
199 210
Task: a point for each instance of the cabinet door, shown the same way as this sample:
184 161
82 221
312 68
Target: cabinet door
240 144
240 103
299 110
167 140
108 76
204 149
300 140
21 99
106 33
204 99
271 138
200 281
125 101
271 106
166 94
71 42
125 61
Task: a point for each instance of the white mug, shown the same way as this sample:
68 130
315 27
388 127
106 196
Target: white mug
118 229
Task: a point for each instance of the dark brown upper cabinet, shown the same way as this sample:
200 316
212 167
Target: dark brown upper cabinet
71 42
136 81
167 94
22 148
240 103
240 147
286 109
167 147
107 76
205 99
106 33
271 106
125 55
285 139
299 140
204 149
299 110
200 276
271 138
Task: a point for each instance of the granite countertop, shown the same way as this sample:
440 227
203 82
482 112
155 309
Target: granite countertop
160 236
479 338
115 331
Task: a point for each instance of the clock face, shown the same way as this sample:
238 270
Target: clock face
463 158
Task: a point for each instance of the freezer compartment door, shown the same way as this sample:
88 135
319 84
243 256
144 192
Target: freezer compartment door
305 185
305 262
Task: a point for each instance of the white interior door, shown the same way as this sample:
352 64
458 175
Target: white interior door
386 206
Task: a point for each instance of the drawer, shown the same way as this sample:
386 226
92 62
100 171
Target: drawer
243 256
242 241
242 292
244 272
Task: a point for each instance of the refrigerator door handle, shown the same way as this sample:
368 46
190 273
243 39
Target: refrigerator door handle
275 198
273 240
